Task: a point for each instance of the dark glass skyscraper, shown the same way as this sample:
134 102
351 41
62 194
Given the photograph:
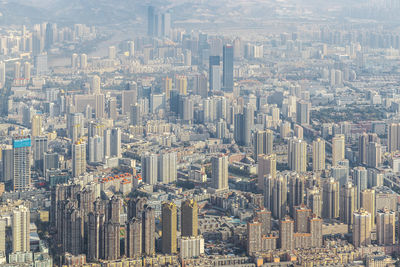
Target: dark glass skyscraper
227 79
214 61
150 21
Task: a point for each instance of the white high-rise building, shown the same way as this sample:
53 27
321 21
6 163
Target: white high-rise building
78 158
115 143
2 74
96 149
219 172
21 229
95 85
338 149
318 155
149 168
297 155
167 169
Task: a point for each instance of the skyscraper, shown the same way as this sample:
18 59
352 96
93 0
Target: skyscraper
314 201
96 149
39 147
347 203
36 125
227 76
133 239
297 155
279 196
95 85
319 155
169 226
243 124
286 231
303 112
115 143
111 241
189 220
361 228
78 158
214 73
129 97
338 149
254 234
149 228
150 21
330 196
368 203
374 158
149 168
219 172
386 227
21 229
75 125
167 169
301 215
21 163
266 167
263 142
360 178
393 137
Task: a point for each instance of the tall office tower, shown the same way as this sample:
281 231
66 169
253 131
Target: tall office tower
111 241
301 215
338 149
363 148
227 64
21 163
149 168
149 229
266 167
374 158
286 231
75 125
2 74
263 142
112 108
78 158
297 155
39 147
3 224
133 239
150 21
296 192
303 112
219 172
96 149
21 229
136 116
129 97
360 178
169 226
95 237
243 125
361 228
112 52
17 71
83 61
167 87
189 220
254 234
279 198
49 36
347 203
214 73
314 201
167 169
95 85
318 151
368 203
131 46
116 143
181 84
36 125
268 192
27 72
386 227
330 198
166 24
393 137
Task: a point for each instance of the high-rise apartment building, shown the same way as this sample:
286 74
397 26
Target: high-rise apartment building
297 155
348 202
263 142
78 158
21 163
266 167
189 220
368 203
21 229
330 197
219 172
361 228
167 168
318 151
386 227
149 168
169 228
338 149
